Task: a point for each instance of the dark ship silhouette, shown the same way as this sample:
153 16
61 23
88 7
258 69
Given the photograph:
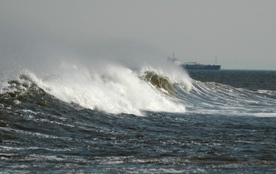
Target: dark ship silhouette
195 66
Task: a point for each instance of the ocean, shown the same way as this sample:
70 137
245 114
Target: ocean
149 120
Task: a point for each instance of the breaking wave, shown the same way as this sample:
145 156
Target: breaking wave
113 89
116 89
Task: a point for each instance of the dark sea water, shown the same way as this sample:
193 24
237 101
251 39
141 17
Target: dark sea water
125 122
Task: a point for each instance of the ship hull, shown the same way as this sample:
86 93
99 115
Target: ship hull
201 67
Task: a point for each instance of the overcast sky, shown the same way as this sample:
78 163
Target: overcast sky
241 33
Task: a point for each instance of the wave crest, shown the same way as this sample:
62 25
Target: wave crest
113 89
21 86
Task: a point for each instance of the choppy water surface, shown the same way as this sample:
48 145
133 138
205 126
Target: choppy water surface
222 122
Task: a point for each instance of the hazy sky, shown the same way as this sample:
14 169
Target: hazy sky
241 33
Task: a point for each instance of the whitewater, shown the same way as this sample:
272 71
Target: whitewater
112 89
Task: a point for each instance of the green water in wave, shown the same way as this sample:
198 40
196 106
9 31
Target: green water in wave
159 82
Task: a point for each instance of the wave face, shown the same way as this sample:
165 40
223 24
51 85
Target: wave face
221 99
146 120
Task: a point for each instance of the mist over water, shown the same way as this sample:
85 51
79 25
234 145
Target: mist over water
40 50
104 75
